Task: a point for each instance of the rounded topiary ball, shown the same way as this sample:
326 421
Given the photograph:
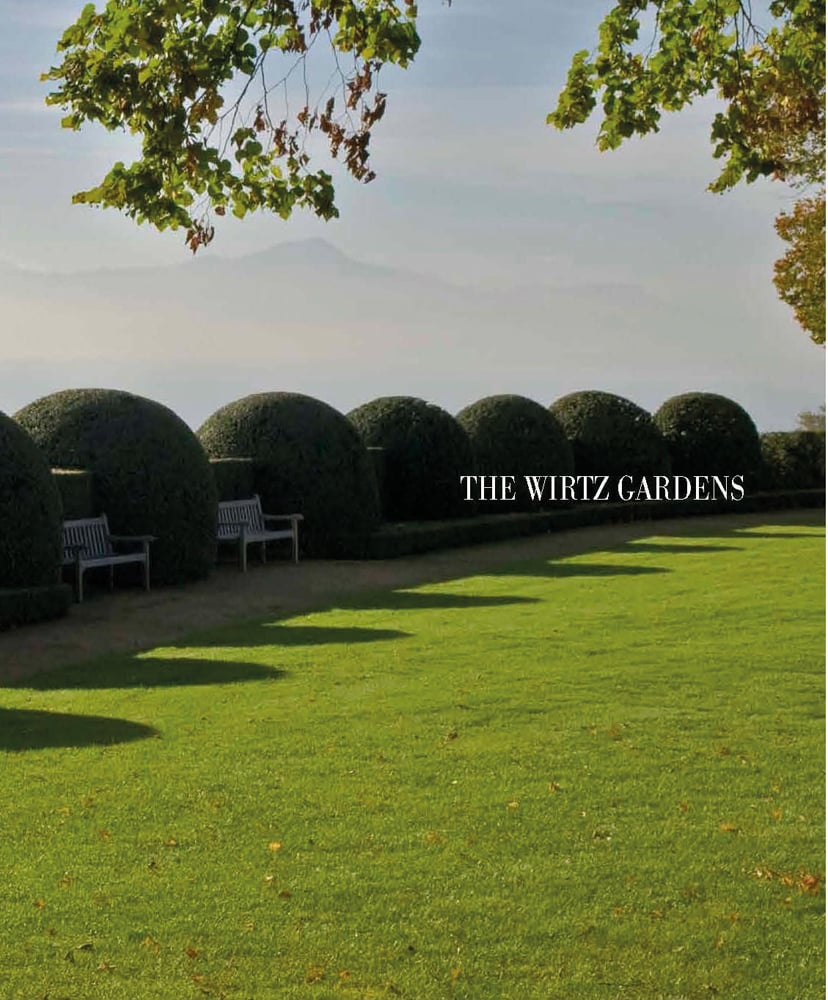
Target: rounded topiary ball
30 511
611 436
150 474
708 434
513 435
425 451
308 459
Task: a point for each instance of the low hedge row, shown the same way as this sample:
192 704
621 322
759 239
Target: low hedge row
26 605
394 541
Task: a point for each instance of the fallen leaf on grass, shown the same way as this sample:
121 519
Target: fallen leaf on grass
728 828
513 804
805 881
553 786
39 903
191 952
455 974
275 845
316 973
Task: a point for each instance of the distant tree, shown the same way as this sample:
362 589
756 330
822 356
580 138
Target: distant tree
799 276
767 63
811 420
220 93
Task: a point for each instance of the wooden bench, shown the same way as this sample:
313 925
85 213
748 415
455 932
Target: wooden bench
87 543
243 522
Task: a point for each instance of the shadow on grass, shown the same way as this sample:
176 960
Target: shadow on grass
565 570
147 672
779 536
671 548
409 600
30 729
190 669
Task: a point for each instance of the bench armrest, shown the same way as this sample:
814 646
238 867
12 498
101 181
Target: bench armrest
283 517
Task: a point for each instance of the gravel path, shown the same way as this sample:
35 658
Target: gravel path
131 619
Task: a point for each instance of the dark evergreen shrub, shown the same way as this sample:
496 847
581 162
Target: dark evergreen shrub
515 436
235 478
30 512
151 476
611 435
308 459
76 488
425 453
793 460
708 434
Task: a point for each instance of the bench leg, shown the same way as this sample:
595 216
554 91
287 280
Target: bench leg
112 577
243 555
78 583
147 571
295 543
263 550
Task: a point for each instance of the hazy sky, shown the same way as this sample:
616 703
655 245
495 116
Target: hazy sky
473 188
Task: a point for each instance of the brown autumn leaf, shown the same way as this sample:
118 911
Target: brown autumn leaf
316 973
191 952
513 804
810 883
39 903
684 807
104 834
275 845
285 894
728 828
777 814
553 786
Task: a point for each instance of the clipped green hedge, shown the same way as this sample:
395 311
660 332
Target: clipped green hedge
611 436
27 605
308 458
30 511
425 453
77 494
709 434
393 541
513 435
235 477
151 475
793 460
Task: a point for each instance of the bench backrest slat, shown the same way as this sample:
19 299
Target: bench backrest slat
231 512
90 532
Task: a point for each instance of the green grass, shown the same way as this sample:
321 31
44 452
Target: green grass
594 778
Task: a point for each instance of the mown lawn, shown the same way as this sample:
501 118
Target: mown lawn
600 777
